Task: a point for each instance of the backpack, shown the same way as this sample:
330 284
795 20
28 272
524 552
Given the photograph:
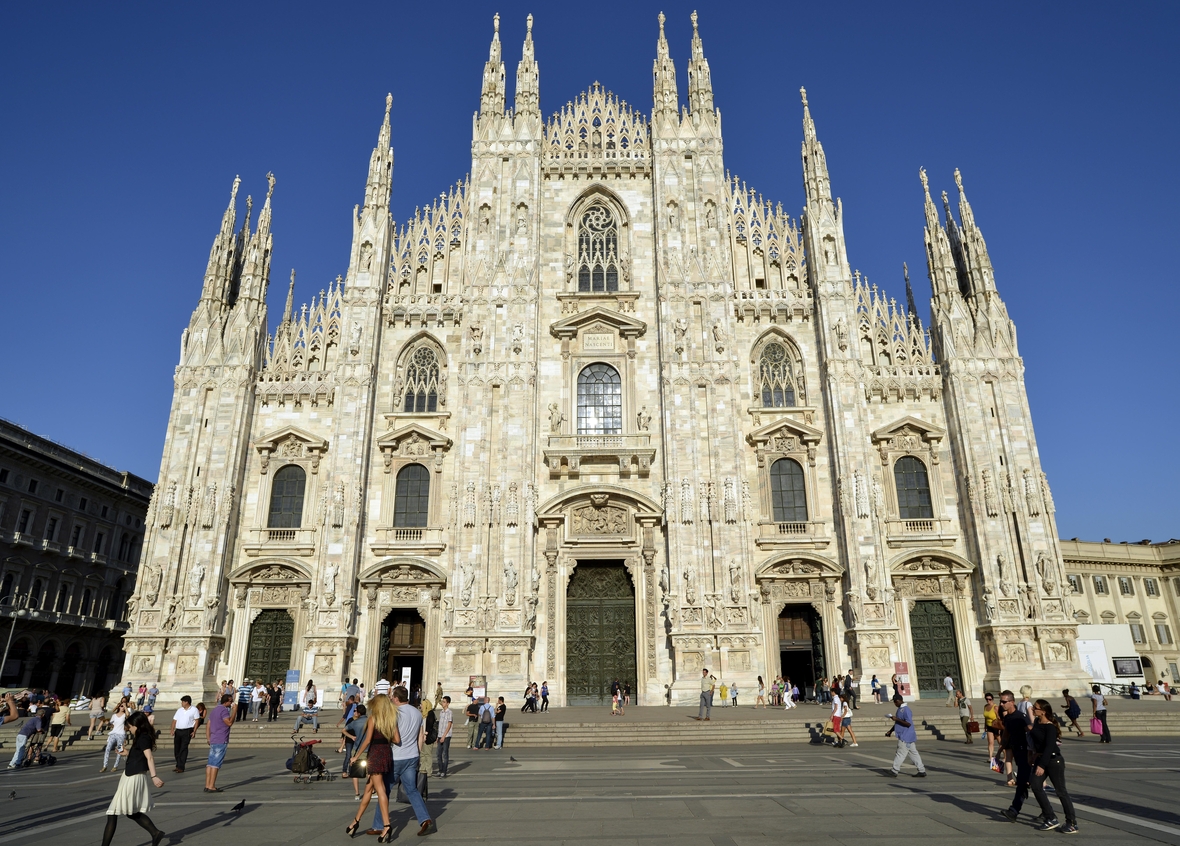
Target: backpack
431 728
486 716
303 760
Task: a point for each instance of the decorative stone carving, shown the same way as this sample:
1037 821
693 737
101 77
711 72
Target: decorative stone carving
599 520
510 583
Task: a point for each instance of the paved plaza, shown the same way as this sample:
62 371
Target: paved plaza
712 796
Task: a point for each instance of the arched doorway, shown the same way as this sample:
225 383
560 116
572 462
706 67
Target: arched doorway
404 635
801 645
102 670
69 669
936 653
268 655
600 632
43 668
10 674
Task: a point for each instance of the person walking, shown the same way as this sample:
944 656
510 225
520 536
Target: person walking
446 724
309 692
244 693
97 713
133 797
949 684
354 732
1072 711
544 696
837 719
907 739
1015 741
724 694
761 694
57 724
221 720
991 726
1098 700
487 725
708 683
411 732
116 737
183 723
34 724
1047 762
850 691
846 725
966 713
257 698
472 712
380 734
275 702
896 683
1025 704
152 693
501 712
876 688
139 699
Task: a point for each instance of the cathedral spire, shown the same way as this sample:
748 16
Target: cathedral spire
380 181
290 300
491 99
815 167
909 293
700 86
978 262
255 275
665 97
939 261
528 76
221 253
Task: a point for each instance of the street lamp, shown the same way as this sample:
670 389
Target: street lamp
12 602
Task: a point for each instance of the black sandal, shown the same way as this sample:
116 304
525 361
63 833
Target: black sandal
351 830
386 835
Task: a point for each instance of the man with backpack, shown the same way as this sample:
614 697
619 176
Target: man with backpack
487 724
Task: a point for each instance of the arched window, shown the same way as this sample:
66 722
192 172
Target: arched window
600 401
776 377
422 378
63 599
411 499
35 594
598 250
6 586
286 498
913 489
84 608
787 493
124 547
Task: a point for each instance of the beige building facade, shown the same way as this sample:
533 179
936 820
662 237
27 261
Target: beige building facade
599 412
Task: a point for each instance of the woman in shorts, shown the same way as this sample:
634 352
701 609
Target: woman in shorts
57 724
846 724
991 727
97 712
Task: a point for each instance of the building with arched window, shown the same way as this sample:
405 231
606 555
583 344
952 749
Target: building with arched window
601 410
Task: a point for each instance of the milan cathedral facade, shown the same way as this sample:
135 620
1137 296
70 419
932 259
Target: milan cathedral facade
601 412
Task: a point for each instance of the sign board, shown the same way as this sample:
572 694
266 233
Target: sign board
901 669
479 686
1127 667
598 341
291 691
406 675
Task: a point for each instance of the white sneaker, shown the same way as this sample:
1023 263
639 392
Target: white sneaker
854 744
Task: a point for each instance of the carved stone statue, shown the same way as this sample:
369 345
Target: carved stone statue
690 586
841 330
530 614
211 613
643 419
556 418
354 337
366 256
713 611
719 337
510 583
477 338
171 619
465 582
448 613
989 604
710 218
196 578
679 330
522 221
1002 566
330 573
151 582
535 582
735 582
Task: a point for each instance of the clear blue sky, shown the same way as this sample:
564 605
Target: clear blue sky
125 125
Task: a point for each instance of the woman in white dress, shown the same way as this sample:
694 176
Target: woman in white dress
116 738
133 798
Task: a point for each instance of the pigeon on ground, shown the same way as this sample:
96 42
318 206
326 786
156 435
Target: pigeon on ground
510 758
237 809
12 795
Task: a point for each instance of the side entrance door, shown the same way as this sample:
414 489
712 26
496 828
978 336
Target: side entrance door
932 628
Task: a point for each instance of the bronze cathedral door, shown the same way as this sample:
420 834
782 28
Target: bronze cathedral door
600 632
268 656
935 651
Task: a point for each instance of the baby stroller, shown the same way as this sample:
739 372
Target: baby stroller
36 754
305 765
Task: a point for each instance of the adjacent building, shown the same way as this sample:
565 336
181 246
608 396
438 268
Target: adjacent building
71 533
602 411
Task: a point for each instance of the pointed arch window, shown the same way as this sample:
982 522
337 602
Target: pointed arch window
422 378
913 489
788 494
776 377
411 499
286 498
600 401
598 250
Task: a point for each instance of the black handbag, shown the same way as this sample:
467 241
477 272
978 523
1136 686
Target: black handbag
423 788
360 767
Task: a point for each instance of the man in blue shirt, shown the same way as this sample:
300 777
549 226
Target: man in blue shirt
311 714
907 739
33 724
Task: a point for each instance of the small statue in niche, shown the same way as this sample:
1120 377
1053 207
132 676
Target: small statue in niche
679 330
690 586
989 604
510 578
195 578
556 418
522 221
366 261
530 613
841 330
477 338
710 217
517 337
735 582
448 613
643 419
719 337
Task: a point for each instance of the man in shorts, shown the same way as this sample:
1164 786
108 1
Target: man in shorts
221 719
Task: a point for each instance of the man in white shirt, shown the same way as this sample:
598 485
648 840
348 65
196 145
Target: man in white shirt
708 683
412 730
446 725
949 684
183 723
381 688
256 696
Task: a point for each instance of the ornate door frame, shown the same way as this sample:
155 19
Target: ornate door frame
800 578
604 523
402 582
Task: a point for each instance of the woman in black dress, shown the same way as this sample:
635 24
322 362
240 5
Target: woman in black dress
380 732
133 797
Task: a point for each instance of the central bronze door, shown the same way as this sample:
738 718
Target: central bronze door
268 656
935 652
600 632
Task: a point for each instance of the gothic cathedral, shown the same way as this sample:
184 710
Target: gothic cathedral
600 412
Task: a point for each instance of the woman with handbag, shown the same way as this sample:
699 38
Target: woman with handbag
1044 740
380 732
966 715
1072 711
354 730
1098 721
